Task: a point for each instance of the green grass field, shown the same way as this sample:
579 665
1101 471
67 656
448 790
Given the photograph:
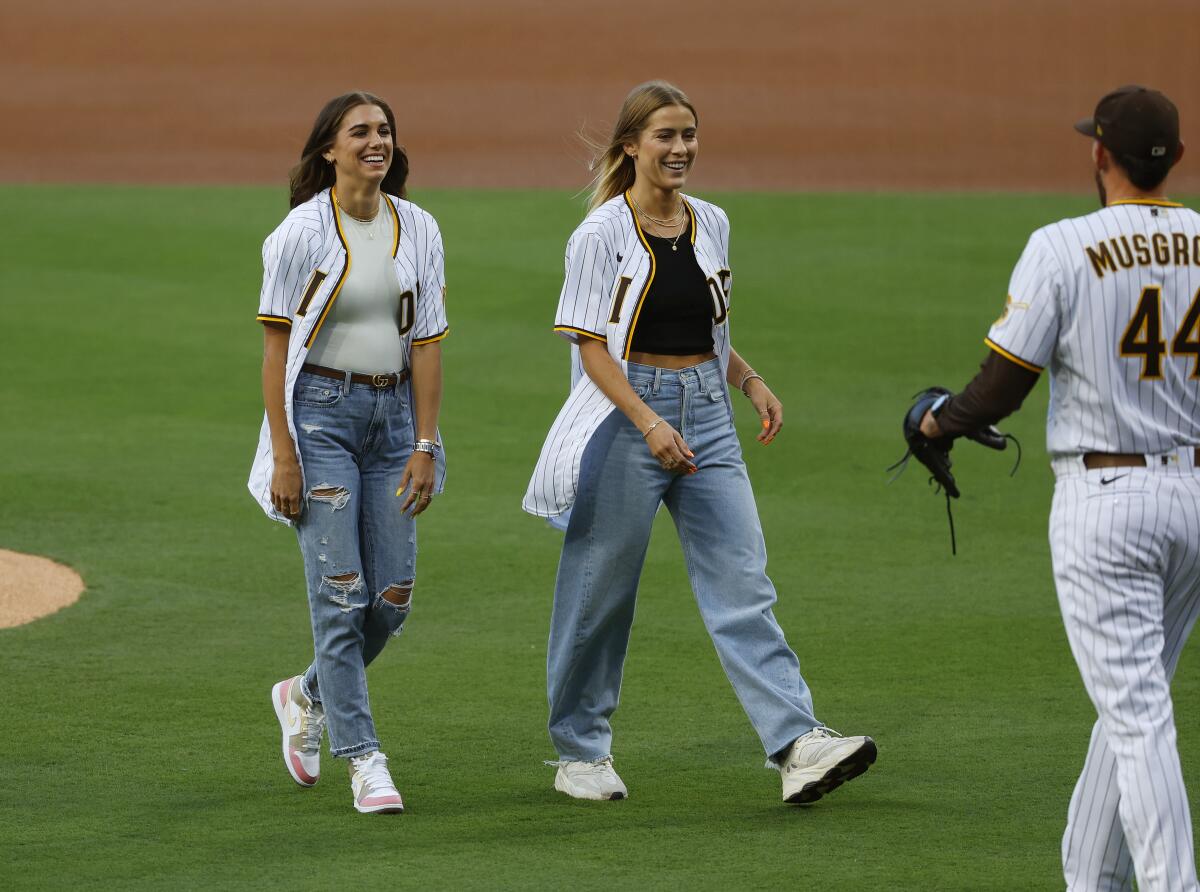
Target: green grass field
138 749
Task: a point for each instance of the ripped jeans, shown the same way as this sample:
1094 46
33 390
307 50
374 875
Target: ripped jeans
354 441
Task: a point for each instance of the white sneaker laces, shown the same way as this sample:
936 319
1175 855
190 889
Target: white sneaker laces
595 766
598 767
314 724
373 771
816 734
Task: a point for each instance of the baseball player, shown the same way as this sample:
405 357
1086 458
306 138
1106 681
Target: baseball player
353 312
1110 304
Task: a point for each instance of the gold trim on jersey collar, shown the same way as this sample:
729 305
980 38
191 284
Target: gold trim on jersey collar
1154 202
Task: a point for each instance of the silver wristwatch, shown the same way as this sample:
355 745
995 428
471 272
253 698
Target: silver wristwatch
429 446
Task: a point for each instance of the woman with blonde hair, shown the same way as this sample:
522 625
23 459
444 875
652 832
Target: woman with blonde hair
352 307
645 305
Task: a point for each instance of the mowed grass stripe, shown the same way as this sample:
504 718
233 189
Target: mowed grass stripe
139 750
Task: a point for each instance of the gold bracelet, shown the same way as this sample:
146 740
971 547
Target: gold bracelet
651 427
749 376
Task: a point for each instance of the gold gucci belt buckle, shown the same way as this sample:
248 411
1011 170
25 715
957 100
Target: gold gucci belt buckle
381 380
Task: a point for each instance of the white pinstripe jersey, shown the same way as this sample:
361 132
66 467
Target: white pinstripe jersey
609 269
305 261
1110 303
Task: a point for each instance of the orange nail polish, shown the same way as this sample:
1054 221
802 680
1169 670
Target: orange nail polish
766 424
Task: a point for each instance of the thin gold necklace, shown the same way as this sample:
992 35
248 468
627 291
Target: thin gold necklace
678 219
673 220
366 222
675 241
370 219
682 230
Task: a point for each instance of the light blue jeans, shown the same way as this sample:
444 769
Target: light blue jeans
354 440
620 487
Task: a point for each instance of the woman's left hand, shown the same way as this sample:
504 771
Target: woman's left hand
418 479
768 407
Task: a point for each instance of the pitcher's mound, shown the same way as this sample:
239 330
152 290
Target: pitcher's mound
32 587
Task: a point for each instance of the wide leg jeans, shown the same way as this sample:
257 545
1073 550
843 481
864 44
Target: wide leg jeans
620 488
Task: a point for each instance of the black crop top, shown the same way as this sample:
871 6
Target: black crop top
677 315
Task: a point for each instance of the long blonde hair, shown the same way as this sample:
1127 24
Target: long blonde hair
614 170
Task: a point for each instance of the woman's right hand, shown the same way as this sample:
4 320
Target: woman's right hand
285 487
670 449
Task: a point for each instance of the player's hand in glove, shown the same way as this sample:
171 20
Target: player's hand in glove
931 448
931 451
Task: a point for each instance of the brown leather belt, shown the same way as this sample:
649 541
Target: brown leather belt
380 381
1124 459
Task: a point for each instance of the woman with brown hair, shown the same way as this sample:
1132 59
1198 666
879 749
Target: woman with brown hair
648 421
352 307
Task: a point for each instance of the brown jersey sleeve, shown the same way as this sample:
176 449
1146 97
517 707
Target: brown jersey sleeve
995 393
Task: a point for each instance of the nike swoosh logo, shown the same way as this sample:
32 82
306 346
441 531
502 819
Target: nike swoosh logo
1104 482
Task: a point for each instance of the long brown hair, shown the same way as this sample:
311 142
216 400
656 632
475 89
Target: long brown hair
314 173
614 170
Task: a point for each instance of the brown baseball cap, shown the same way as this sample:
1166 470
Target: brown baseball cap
1135 122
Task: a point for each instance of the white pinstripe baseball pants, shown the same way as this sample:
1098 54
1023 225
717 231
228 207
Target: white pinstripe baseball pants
1125 544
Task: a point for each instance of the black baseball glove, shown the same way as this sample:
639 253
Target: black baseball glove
934 452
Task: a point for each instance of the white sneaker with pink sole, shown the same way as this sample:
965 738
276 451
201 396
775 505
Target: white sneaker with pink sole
374 792
302 723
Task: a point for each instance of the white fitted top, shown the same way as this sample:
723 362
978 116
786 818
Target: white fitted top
362 333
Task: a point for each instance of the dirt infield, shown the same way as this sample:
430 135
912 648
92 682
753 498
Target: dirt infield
32 587
939 94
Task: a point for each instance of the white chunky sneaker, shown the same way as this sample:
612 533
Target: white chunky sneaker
821 761
302 723
589 780
374 792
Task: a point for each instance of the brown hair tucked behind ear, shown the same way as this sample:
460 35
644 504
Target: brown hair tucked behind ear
614 169
314 173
